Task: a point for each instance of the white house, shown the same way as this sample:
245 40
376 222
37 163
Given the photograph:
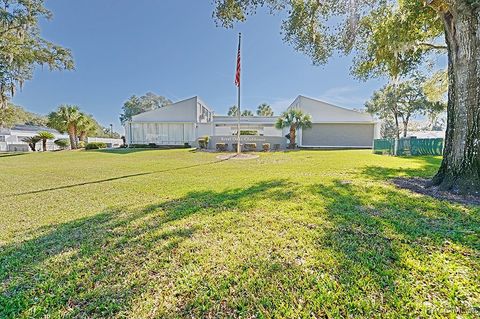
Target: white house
186 121
11 139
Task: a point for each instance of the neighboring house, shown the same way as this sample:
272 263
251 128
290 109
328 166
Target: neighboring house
186 121
427 134
11 139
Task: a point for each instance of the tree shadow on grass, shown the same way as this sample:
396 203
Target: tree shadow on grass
394 252
126 151
6 155
428 166
115 178
98 266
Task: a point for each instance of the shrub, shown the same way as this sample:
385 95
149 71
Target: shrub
248 132
95 146
82 144
62 143
203 142
266 147
249 147
276 147
221 147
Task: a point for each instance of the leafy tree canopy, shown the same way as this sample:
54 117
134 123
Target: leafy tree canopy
22 47
400 103
12 115
391 39
136 105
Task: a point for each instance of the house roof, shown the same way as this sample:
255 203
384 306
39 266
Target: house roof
324 112
33 128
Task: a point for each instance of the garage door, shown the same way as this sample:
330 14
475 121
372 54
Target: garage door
339 135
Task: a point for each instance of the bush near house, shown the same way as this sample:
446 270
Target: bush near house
95 146
203 142
62 143
266 147
248 132
221 147
250 147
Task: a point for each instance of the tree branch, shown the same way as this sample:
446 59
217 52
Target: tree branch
433 45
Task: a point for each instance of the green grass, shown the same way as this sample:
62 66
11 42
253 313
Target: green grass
169 234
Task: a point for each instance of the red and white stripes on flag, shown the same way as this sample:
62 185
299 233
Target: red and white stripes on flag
237 74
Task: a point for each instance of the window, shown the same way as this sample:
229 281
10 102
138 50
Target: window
2 138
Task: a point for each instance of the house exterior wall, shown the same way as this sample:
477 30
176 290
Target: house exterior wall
259 140
338 135
188 120
161 133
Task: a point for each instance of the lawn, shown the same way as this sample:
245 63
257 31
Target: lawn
170 234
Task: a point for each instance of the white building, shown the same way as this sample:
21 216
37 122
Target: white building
186 121
11 139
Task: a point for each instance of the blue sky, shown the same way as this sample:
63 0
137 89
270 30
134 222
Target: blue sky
173 48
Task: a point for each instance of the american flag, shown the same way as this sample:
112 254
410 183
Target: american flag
237 74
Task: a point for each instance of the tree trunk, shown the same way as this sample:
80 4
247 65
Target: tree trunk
73 137
397 126
394 80
293 136
44 145
460 169
83 136
405 126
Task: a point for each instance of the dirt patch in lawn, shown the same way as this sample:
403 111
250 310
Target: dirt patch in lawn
422 186
237 156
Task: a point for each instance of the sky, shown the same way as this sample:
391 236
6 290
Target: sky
174 48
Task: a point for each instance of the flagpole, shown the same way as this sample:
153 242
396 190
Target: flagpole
238 102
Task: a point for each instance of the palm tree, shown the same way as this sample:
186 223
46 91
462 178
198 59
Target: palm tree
44 136
233 111
294 119
264 110
32 142
66 119
247 113
86 126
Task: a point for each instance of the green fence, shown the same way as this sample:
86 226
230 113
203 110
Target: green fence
409 146
384 146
